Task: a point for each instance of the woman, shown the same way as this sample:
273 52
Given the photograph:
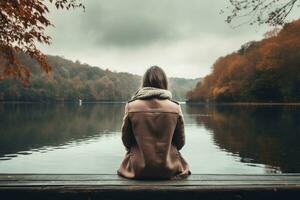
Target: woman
153 132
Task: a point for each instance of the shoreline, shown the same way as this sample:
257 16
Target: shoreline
248 103
181 102
50 102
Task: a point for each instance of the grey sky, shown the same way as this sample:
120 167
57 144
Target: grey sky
184 37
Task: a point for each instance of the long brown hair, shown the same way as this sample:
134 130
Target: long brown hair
155 77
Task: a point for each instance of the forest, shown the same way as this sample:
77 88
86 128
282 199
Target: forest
260 71
70 81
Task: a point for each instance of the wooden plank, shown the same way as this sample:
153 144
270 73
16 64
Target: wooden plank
157 193
73 179
95 177
148 184
107 186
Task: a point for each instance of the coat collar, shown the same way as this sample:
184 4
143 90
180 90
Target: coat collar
149 92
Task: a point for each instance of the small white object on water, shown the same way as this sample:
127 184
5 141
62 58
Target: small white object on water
80 102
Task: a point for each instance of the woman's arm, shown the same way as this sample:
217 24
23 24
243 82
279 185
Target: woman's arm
179 135
127 134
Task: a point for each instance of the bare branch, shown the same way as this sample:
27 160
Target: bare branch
272 12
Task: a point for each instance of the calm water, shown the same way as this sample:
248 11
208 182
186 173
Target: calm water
68 138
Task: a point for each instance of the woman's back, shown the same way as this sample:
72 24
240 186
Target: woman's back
153 132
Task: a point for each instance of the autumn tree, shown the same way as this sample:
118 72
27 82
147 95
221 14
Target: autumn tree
22 25
271 12
265 71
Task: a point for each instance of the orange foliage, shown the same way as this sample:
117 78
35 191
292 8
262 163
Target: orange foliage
268 65
22 24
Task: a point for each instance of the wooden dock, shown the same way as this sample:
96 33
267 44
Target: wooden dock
106 186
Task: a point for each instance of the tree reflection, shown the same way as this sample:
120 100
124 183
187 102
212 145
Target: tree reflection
268 135
31 126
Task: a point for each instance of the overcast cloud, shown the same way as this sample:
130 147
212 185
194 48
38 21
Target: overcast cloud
184 37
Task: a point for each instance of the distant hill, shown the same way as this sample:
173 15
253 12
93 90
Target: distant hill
71 81
263 71
180 86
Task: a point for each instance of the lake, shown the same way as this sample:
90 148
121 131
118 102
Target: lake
68 138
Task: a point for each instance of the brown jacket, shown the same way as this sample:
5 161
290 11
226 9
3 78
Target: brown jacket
153 134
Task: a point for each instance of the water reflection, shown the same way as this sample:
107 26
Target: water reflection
25 128
267 135
68 138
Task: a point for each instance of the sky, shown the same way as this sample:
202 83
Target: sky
183 37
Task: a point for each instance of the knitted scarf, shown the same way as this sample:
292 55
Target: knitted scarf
149 92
